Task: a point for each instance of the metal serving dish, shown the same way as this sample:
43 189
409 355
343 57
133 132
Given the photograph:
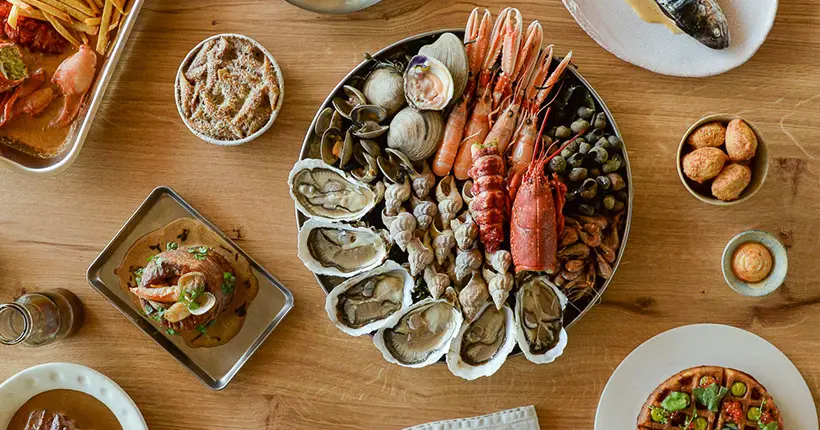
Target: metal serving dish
310 149
214 366
333 7
35 166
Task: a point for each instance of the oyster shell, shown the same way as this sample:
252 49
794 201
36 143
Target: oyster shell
364 302
385 87
539 320
419 335
343 250
416 134
482 346
449 49
428 84
324 192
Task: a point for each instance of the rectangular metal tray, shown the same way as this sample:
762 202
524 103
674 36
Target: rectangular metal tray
82 125
214 366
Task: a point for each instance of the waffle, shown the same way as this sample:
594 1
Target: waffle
686 381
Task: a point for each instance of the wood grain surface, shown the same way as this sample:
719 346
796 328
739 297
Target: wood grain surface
309 374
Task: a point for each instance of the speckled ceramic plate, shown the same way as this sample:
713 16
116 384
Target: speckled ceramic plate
21 387
779 268
615 26
704 344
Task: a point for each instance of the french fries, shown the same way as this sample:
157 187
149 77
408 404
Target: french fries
78 21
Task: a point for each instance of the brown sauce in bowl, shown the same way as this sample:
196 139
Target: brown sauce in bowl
84 410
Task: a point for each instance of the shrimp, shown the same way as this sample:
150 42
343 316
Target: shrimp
453 133
477 129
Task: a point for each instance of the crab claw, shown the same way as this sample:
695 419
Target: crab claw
74 77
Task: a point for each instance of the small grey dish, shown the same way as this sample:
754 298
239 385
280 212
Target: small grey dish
333 7
780 266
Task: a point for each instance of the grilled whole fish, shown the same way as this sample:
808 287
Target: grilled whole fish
704 20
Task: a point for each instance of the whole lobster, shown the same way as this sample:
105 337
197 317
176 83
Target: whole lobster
537 219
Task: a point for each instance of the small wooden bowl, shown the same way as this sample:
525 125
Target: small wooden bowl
759 164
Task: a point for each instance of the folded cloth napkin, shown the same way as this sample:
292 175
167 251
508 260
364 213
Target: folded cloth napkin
523 418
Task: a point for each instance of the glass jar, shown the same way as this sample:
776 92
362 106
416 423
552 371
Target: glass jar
37 319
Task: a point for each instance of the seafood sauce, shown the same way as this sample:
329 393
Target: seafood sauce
650 12
83 410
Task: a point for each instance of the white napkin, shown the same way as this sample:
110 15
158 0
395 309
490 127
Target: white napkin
523 418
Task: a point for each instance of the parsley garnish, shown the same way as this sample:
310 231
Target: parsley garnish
228 282
675 401
171 332
189 297
199 252
171 245
138 275
201 328
710 396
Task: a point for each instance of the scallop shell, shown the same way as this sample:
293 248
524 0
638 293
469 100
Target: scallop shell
326 193
557 349
352 250
403 297
395 344
449 49
416 134
458 359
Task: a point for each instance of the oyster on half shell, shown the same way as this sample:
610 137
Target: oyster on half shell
482 346
338 249
419 335
363 303
324 192
539 320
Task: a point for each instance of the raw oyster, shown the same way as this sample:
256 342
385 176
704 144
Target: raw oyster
327 193
539 320
449 49
416 134
338 249
482 346
363 304
428 84
419 335
704 20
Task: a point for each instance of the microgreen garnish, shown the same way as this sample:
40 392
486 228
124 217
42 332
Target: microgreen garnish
201 328
138 275
200 252
770 426
730 426
690 418
171 331
710 396
189 297
228 282
675 401
659 415
172 245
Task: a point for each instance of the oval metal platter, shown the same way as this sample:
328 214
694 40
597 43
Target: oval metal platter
310 149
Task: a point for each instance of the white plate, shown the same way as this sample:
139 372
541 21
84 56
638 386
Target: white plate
703 344
21 387
615 26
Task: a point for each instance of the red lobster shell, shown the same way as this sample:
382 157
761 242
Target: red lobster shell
491 203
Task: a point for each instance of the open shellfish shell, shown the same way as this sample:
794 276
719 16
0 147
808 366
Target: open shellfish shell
338 249
482 346
428 84
539 320
324 192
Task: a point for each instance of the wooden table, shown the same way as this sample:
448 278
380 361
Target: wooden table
309 374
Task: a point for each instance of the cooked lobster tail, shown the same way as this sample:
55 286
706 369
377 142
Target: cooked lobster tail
491 203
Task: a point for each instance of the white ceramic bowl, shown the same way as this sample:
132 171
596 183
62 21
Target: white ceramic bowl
273 114
779 269
21 387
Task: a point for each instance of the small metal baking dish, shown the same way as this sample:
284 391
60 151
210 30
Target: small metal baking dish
214 366
34 166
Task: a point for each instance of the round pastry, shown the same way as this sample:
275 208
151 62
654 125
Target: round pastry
712 134
731 181
183 288
710 398
703 164
752 262
741 142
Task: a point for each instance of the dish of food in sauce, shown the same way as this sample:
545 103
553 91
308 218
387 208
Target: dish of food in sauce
64 409
50 51
228 89
186 279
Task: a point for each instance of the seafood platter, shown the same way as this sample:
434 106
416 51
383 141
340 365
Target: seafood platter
463 194
57 58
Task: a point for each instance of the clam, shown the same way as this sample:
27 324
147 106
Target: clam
395 166
385 87
336 147
482 346
352 98
363 303
328 118
539 320
416 134
449 49
421 334
362 114
428 84
370 130
338 249
324 192
368 172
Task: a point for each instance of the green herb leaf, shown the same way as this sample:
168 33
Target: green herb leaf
228 283
675 401
710 396
730 426
771 426
172 245
201 328
138 275
171 332
199 252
